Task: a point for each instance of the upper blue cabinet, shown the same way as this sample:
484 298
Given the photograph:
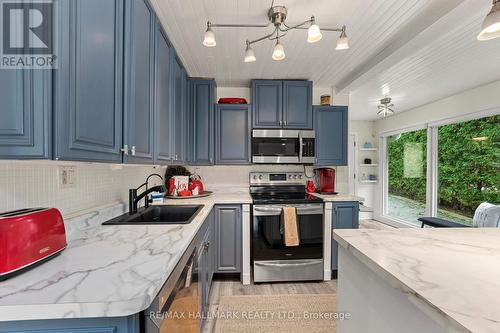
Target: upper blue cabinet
232 134
163 104
331 135
267 101
179 113
25 114
282 104
88 84
138 122
201 140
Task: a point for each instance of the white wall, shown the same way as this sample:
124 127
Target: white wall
244 92
474 100
26 184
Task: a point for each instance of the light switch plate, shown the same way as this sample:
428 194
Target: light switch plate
67 177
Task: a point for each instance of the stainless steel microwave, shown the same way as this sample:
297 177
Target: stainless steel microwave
283 146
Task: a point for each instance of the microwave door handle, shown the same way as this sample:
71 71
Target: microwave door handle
301 148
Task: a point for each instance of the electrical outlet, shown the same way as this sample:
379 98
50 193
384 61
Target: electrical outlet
67 177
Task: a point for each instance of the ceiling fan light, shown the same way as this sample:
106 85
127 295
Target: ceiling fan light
279 52
314 34
249 54
209 39
342 41
491 24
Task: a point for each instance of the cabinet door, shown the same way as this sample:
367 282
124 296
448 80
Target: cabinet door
228 239
331 135
202 124
183 157
139 82
26 114
88 83
267 103
177 129
163 103
232 134
297 104
345 216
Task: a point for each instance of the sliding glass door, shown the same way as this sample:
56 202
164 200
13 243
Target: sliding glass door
406 175
463 158
468 167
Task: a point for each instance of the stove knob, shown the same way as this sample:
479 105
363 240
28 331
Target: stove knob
289 176
260 177
255 177
300 176
294 176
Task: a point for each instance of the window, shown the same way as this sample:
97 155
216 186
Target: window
463 158
468 167
406 169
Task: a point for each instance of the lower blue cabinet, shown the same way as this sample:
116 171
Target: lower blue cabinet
228 236
232 134
345 215
331 124
129 324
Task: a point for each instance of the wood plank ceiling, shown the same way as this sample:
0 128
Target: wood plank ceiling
393 44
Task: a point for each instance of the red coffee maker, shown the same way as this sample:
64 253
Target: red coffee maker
325 180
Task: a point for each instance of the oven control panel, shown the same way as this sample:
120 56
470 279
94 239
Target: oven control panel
273 178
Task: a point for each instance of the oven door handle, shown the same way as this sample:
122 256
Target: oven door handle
267 211
275 211
306 263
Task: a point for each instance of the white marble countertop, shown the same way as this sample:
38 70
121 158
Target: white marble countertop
455 272
338 197
106 271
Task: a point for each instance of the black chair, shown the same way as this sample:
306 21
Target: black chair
436 222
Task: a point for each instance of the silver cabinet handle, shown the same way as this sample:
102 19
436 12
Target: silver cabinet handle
124 150
133 150
281 122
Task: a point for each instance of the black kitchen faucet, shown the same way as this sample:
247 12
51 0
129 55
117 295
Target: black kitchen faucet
133 198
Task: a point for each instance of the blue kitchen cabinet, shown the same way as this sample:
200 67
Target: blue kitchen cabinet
130 324
345 215
26 114
228 237
163 104
267 101
178 113
297 105
202 133
89 82
138 123
186 116
232 134
282 104
331 135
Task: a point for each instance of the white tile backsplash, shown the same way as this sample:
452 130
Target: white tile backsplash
35 184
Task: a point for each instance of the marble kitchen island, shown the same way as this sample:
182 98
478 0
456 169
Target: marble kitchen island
419 280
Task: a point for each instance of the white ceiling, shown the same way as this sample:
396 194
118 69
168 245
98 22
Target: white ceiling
420 50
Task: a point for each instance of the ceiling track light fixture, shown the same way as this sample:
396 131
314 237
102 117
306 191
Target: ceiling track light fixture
385 107
277 17
491 24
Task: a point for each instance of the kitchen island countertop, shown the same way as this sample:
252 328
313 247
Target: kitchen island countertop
453 273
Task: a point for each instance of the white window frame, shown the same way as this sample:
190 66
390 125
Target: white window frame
432 165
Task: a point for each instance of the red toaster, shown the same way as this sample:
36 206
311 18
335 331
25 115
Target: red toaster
29 237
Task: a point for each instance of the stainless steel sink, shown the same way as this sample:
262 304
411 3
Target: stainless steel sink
164 214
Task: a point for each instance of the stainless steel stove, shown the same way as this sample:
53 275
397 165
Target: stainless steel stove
272 260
